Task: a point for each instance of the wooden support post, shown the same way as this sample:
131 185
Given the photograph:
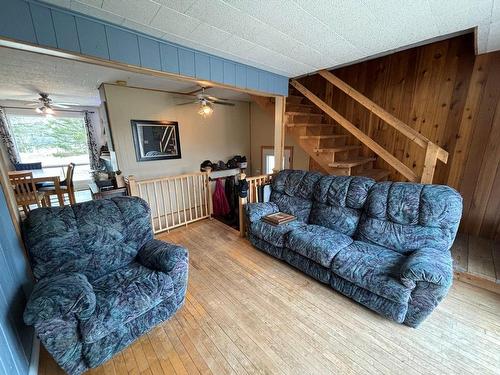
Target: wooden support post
132 186
241 203
279 133
431 156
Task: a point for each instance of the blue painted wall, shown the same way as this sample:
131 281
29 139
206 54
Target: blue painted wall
15 337
48 26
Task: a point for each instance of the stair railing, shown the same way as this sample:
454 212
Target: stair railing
432 151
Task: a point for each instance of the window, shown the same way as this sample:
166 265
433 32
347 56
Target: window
55 142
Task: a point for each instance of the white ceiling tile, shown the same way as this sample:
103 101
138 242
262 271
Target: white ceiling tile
178 5
174 22
96 12
495 13
494 37
148 30
209 35
462 15
92 3
482 36
141 11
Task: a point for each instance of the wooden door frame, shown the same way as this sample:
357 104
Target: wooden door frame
262 147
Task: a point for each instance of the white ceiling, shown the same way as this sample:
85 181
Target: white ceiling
25 74
294 37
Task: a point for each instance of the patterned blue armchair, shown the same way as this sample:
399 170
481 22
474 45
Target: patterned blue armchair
102 280
386 245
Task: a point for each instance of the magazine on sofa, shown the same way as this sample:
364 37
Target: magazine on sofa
279 218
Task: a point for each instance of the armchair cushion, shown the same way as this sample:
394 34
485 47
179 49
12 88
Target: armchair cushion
428 265
161 256
256 211
63 296
122 296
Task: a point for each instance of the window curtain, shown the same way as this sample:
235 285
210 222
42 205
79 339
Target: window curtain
8 139
92 142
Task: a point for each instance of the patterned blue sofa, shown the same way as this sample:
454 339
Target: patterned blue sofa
102 280
385 245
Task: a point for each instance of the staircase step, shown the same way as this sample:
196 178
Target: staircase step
294 99
376 174
332 136
337 149
303 105
304 114
351 162
305 124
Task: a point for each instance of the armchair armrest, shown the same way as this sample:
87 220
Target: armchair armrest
59 297
162 256
255 211
428 265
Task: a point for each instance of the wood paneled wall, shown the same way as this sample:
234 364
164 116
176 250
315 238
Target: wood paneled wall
448 94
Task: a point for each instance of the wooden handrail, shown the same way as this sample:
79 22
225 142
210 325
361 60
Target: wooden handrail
366 140
373 107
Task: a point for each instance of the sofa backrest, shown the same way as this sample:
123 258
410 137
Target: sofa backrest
407 216
293 190
338 202
93 238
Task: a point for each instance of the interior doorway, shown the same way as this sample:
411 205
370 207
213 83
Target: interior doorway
267 159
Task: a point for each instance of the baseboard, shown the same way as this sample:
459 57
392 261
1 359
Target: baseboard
35 356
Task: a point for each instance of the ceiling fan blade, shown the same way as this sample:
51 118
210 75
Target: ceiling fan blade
57 105
187 103
33 104
192 92
222 103
213 98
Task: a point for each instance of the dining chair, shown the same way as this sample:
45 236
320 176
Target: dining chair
25 191
66 186
27 166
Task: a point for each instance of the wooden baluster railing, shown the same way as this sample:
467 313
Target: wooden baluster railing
432 151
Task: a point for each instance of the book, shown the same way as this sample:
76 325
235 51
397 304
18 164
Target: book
279 218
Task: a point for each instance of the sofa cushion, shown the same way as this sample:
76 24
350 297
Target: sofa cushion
338 201
317 243
406 216
373 268
293 190
274 234
122 296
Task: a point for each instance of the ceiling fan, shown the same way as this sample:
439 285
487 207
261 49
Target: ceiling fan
45 105
206 102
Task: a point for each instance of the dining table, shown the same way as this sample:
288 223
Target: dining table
46 175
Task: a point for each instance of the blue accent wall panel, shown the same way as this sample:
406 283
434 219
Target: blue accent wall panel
202 65
15 21
44 29
149 51
15 284
229 73
252 79
66 34
186 62
216 69
169 58
241 76
47 25
123 46
92 36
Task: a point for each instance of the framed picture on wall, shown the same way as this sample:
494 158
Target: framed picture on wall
156 140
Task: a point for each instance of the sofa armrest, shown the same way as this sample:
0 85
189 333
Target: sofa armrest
255 211
428 265
64 296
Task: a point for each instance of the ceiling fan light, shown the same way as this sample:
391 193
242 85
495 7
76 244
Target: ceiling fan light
39 109
205 110
49 110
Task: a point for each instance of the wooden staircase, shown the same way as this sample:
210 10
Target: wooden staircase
333 149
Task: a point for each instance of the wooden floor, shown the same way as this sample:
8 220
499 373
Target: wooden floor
247 313
477 261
